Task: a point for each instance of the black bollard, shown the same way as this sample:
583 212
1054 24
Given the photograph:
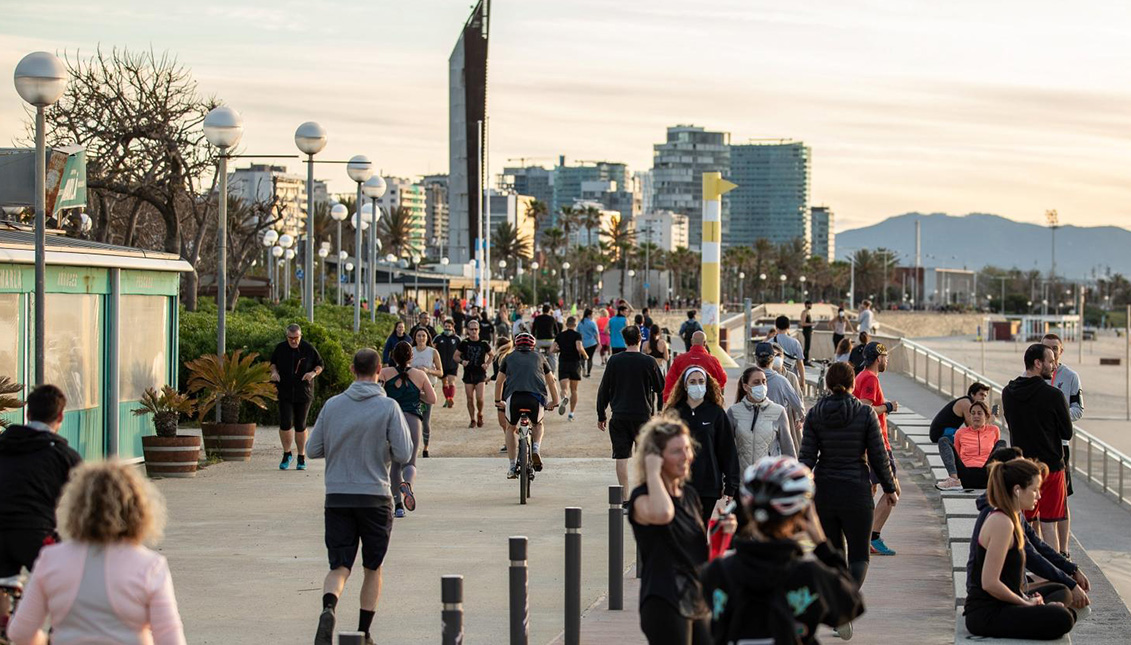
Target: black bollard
520 592
573 576
351 638
616 548
451 615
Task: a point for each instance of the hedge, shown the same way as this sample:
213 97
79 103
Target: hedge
258 327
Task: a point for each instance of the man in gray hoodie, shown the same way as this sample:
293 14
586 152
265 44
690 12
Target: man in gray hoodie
359 432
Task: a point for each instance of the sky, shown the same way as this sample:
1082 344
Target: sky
1009 107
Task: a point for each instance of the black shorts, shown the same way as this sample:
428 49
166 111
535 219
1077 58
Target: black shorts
19 548
525 401
292 414
569 370
622 433
872 471
451 370
371 525
474 375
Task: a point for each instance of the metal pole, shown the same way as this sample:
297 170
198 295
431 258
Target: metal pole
519 592
308 272
985 339
451 613
222 263
573 576
487 213
113 367
351 638
1080 333
749 321
852 284
322 294
1127 357
373 264
479 223
40 245
616 548
338 264
357 233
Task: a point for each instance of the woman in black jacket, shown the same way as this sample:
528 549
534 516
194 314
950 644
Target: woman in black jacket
767 591
840 432
697 399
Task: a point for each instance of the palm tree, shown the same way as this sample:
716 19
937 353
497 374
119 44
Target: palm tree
569 218
507 242
591 220
398 232
621 236
537 211
554 242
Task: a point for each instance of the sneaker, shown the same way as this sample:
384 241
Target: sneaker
1083 612
301 463
369 640
879 548
325 633
571 416
424 453
512 472
844 631
399 512
503 449
536 459
407 496
950 483
286 462
562 406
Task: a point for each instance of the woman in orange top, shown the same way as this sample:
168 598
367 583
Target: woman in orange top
966 453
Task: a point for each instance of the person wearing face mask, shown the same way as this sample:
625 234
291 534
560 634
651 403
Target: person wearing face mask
761 427
778 388
446 345
698 400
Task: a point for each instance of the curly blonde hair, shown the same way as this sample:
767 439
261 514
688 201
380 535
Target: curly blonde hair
108 502
654 437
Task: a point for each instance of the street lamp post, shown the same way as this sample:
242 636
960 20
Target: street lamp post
447 281
534 277
565 281
601 278
374 189
310 139
762 287
223 128
270 236
782 279
803 291
339 212
741 284
277 255
40 80
359 170
286 241
288 255
392 260
323 251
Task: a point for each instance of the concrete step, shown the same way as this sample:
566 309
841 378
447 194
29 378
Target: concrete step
959 556
960 508
962 636
959 529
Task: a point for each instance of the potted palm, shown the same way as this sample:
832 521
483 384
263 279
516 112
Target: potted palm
9 400
227 381
168 454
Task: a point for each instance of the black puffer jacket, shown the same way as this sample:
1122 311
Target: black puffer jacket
34 465
839 431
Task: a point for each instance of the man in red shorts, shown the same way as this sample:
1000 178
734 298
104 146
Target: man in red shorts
1038 419
868 390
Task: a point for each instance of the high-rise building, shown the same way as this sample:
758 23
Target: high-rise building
665 229
410 197
611 196
678 165
568 181
535 181
435 214
511 207
772 198
821 228
644 185
467 110
265 183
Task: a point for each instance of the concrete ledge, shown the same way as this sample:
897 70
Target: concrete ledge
960 507
962 636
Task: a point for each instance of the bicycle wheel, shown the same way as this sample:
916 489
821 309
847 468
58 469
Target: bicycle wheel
523 471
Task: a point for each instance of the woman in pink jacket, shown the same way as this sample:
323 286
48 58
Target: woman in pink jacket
101 585
965 454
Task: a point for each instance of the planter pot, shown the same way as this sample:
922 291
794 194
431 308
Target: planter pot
229 441
171 456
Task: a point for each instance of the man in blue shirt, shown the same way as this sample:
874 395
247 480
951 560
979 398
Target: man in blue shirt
616 325
790 346
589 338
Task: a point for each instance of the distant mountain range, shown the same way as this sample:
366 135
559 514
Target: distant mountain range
976 240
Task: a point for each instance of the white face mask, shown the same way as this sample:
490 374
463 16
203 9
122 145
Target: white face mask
697 392
778 362
758 393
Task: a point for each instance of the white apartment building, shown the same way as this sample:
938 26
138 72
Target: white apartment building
666 229
264 183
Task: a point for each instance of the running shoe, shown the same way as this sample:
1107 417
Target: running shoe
571 416
407 496
399 512
562 406
950 483
301 463
286 462
369 640
471 424
424 453
503 449
325 633
844 631
512 472
536 459
879 548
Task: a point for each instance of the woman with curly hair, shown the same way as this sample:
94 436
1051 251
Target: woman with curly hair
697 399
101 584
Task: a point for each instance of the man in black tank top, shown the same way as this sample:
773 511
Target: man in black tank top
956 413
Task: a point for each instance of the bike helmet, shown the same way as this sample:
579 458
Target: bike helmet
776 486
524 341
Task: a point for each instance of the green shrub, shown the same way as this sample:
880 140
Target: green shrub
259 327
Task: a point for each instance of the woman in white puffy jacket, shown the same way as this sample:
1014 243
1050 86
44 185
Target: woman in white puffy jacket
761 427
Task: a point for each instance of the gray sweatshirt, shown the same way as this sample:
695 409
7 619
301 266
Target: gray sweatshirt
359 432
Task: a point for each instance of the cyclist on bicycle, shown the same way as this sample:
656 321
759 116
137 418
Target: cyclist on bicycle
525 382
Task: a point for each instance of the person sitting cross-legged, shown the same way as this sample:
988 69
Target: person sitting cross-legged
964 455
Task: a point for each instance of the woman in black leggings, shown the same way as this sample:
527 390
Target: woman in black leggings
840 432
666 521
995 604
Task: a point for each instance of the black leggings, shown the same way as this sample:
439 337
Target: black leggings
663 625
591 351
1044 622
849 524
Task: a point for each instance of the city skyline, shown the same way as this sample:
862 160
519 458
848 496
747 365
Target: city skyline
957 108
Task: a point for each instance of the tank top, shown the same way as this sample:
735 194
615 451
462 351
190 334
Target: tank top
401 389
422 360
654 349
1012 573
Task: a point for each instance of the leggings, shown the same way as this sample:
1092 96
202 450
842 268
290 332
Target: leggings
591 351
427 430
663 625
1044 622
971 477
849 529
407 471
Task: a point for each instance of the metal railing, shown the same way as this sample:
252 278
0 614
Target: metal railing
1100 463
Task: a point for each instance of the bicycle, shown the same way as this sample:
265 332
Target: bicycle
13 588
822 389
524 466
